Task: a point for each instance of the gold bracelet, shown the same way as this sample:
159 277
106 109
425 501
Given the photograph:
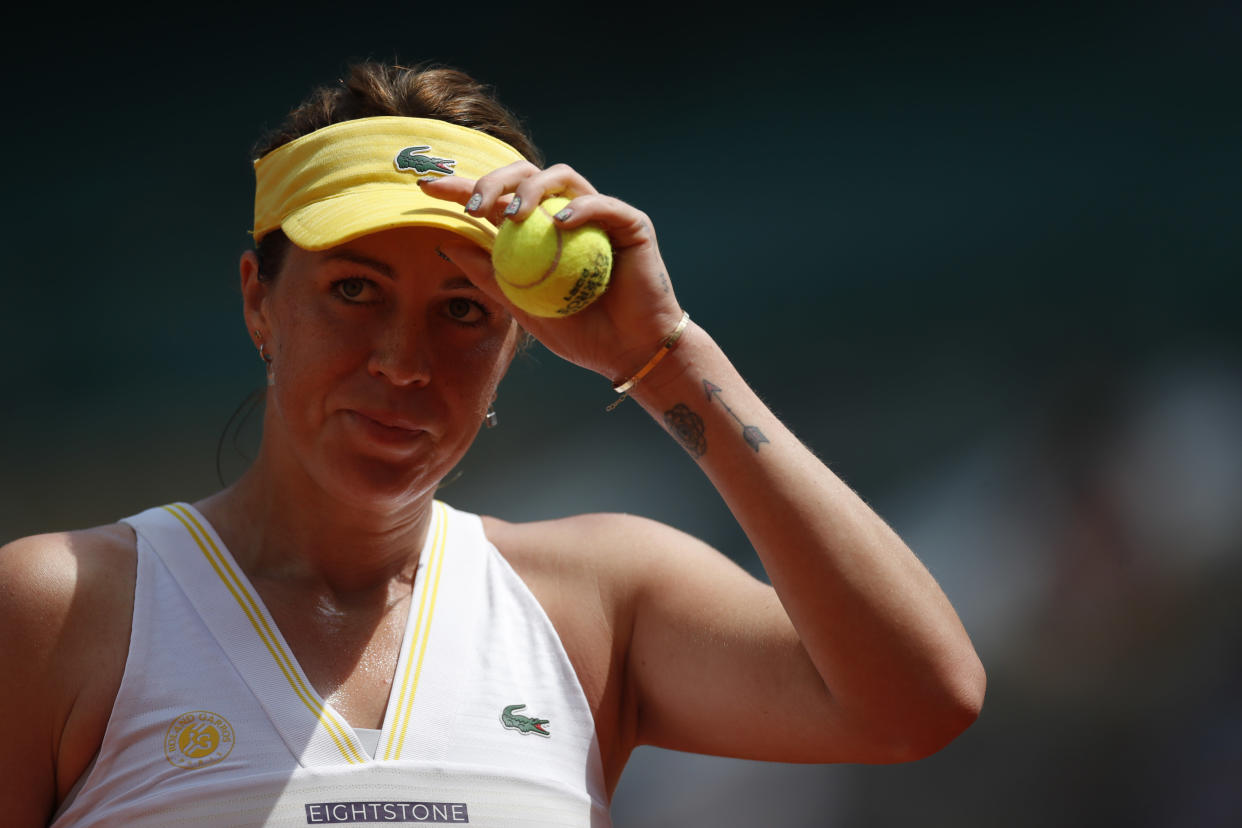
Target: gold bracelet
623 388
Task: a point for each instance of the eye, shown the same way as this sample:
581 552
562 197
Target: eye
354 289
465 311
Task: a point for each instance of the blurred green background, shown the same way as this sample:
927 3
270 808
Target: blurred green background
983 260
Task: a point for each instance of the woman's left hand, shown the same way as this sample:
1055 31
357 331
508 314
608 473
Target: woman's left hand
616 334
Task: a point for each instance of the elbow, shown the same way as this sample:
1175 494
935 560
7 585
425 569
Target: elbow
933 720
956 707
948 725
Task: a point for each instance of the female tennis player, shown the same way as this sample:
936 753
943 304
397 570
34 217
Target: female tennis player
325 642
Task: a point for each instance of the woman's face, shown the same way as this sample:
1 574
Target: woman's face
386 359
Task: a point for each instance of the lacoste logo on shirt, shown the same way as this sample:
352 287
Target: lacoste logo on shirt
523 724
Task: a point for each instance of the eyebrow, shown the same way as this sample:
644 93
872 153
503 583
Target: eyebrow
451 283
366 261
457 283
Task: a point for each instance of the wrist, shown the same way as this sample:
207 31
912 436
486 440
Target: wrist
668 379
666 346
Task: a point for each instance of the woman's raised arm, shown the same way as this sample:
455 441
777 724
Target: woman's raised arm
899 674
857 655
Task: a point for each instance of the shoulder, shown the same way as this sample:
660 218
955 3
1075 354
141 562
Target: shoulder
615 571
584 565
627 559
53 579
611 545
66 600
57 558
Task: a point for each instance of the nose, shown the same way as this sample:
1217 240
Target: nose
400 353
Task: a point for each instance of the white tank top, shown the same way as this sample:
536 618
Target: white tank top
216 725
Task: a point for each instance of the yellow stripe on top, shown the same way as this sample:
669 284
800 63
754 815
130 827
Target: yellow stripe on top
418 643
336 729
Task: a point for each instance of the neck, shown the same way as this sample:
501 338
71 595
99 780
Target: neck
278 530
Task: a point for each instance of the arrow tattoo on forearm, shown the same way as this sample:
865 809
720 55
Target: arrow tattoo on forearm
751 434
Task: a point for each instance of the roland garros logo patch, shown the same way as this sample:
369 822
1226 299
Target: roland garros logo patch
412 159
197 739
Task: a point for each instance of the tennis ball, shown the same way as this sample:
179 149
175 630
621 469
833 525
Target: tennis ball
548 271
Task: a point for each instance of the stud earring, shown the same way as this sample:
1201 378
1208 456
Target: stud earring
491 420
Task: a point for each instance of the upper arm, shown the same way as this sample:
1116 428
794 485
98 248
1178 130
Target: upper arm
33 606
62 627
714 663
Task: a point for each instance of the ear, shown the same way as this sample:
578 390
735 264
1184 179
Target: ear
519 339
254 296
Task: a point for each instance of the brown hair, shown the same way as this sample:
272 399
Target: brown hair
372 89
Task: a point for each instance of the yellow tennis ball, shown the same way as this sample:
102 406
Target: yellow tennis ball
548 271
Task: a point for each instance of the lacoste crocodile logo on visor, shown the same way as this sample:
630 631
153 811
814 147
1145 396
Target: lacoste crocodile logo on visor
412 159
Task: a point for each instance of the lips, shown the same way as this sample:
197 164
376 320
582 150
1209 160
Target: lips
388 420
385 428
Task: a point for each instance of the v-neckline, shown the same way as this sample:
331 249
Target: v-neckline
313 729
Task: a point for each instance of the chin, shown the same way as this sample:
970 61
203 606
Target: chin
371 484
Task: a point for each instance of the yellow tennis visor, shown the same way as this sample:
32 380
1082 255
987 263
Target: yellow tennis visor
358 177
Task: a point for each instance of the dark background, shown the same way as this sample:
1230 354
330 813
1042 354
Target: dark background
983 261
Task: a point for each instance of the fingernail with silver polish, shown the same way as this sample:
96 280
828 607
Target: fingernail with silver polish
564 214
473 203
514 205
